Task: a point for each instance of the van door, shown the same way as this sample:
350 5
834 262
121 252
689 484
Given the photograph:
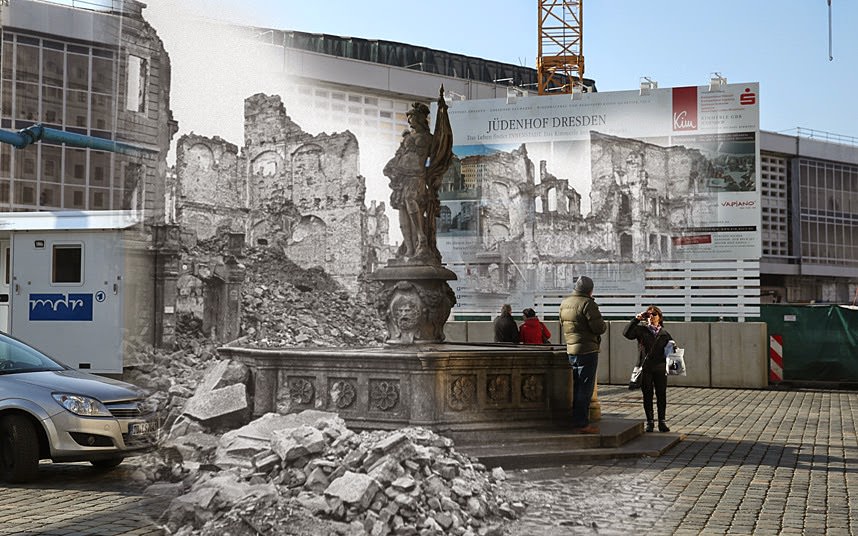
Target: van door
67 298
5 277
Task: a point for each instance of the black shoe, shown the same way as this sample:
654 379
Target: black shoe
648 426
662 427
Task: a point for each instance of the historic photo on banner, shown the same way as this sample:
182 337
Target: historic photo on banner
543 189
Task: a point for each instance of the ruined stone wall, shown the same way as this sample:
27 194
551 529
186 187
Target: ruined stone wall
212 189
320 176
567 199
286 189
644 188
508 197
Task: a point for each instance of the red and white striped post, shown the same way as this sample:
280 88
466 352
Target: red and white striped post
776 358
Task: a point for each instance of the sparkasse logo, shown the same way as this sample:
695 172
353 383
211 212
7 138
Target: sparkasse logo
747 97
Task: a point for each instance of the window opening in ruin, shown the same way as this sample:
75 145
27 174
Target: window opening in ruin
552 200
67 263
136 83
626 246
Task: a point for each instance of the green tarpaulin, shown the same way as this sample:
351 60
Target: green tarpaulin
820 342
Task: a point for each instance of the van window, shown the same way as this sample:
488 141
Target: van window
67 264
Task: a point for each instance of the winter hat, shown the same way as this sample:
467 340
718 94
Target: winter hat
584 285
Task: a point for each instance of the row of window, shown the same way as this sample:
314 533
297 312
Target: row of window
66 86
52 176
773 190
54 196
837 179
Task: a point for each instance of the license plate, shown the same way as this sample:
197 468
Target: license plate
142 429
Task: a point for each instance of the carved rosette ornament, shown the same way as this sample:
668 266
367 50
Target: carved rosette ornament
301 391
343 394
384 395
463 392
498 388
532 387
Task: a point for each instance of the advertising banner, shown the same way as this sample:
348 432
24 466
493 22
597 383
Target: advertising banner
551 187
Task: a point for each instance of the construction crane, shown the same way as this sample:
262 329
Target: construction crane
560 58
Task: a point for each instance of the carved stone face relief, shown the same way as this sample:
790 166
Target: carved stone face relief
407 312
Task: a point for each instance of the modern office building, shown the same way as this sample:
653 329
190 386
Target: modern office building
810 218
98 70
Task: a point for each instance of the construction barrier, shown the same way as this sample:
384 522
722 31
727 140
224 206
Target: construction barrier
776 359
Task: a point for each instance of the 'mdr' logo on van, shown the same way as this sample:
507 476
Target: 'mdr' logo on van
63 307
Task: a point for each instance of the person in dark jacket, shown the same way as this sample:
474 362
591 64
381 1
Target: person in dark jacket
506 330
532 331
654 343
582 325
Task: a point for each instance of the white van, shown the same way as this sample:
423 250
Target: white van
63 280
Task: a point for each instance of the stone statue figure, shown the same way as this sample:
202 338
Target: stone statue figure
414 298
415 174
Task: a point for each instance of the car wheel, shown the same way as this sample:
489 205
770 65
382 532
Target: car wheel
19 449
107 464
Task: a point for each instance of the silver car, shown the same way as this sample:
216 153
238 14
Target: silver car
51 411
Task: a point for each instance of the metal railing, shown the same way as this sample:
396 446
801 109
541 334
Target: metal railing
812 134
108 6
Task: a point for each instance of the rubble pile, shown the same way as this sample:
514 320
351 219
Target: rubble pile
303 473
285 305
280 470
169 376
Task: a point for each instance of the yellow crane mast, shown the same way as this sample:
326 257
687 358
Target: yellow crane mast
560 58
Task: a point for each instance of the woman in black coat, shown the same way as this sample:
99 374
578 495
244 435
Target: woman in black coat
647 329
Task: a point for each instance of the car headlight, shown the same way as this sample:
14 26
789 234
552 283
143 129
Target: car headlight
82 405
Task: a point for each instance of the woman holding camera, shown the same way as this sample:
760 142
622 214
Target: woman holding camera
653 339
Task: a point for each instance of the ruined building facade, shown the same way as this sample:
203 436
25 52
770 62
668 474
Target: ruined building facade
284 188
638 196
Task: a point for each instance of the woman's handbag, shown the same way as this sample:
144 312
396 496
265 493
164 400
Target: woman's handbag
635 380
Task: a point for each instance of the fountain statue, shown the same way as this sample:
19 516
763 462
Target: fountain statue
415 299
417 378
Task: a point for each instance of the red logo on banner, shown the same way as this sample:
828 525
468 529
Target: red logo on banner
748 97
691 240
685 108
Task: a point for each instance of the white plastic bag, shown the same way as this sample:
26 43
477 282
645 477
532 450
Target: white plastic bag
676 362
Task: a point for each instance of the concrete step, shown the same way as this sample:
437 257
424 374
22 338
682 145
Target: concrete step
545 447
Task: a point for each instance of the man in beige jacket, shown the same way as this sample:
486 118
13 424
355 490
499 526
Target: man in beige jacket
582 326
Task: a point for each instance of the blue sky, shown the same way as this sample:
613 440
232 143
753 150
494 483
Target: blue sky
784 45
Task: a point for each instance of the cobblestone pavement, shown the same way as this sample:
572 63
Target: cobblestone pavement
76 500
754 462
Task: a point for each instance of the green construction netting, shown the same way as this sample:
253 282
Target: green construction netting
820 342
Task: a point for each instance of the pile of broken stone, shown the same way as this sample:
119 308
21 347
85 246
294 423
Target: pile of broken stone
279 472
285 305
303 473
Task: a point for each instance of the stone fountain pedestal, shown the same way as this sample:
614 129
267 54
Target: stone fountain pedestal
445 387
